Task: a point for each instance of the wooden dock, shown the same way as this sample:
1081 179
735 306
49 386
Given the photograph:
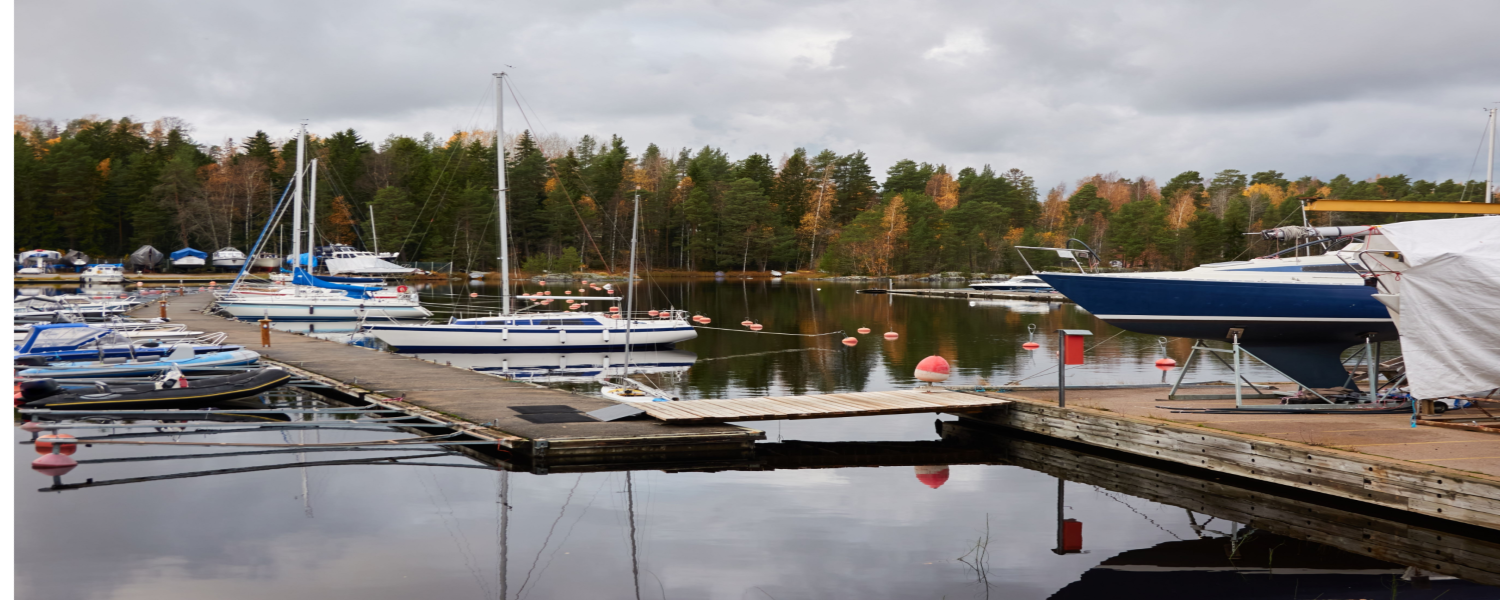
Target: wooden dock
972 294
527 421
822 406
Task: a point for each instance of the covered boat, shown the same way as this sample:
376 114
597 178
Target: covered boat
75 258
188 257
144 257
167 394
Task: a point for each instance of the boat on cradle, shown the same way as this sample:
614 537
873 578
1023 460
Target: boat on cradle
1019 283
75 259
172 391
189 258
342 259
104 274
38 261
76 341
229 258
305 297
266 260
181 358
144 258
522 331
1294 313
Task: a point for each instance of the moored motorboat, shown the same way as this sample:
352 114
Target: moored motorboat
104 274
1019 283
170 393
182 358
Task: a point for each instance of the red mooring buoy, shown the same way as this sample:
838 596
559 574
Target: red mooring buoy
54 464
933 476
1031 345
1165 364
849 341
44 444
933 369
891 335
747 322
756 327
863 330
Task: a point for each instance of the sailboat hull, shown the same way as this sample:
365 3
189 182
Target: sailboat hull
322 311
426 339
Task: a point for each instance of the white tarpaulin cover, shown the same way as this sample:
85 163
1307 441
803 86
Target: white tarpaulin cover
1450 304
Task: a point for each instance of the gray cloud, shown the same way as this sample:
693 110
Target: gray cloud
1061 90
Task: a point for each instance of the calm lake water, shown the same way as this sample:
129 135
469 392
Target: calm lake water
195 522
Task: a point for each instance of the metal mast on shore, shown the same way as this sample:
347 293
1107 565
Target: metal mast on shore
297 200
500 201
1489 167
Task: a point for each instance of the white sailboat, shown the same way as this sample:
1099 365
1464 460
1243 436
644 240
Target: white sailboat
523 331
309 298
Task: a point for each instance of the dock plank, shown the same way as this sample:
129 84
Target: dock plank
820 406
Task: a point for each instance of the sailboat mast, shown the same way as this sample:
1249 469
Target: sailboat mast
374 234
635 219
1489 170
500 199
312 212
297 202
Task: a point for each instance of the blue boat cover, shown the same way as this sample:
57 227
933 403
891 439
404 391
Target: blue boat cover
186 252
51 337
304 259
300 277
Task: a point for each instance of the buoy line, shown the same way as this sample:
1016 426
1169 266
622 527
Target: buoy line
813 349
839 332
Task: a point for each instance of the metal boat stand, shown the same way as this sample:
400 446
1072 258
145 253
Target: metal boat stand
1239 379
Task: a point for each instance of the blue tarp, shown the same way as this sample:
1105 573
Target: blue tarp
304 260
301 277
186 252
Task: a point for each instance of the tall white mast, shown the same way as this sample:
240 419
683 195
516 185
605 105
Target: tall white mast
500 201
1489 169
373 234
297 202
635 220
312 213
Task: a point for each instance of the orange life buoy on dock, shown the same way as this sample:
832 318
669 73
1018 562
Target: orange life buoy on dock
401 288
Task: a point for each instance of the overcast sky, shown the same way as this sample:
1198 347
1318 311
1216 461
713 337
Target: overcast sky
1060 90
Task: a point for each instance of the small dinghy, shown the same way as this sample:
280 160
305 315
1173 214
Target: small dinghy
629 394
181 358
172 390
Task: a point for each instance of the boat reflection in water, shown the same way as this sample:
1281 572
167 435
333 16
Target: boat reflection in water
1029 307
570 366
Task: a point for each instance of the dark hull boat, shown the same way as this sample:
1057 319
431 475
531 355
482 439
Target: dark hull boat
1297 322
45 393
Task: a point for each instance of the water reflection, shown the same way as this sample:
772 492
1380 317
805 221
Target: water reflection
898 512
983 342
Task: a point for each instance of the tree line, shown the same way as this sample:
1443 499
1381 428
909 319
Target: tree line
107 186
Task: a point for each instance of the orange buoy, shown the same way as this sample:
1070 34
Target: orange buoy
891 335
55 465
44 443
933 476
933 369
863 330
747 322
756 327
1031 345
654 313
585 282
614 309
473 294
706 320
572 307
569 292
1166 364
849 341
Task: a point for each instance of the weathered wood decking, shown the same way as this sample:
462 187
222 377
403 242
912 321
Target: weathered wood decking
822 406
482 405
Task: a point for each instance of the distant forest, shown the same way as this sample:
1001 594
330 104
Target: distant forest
107 187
